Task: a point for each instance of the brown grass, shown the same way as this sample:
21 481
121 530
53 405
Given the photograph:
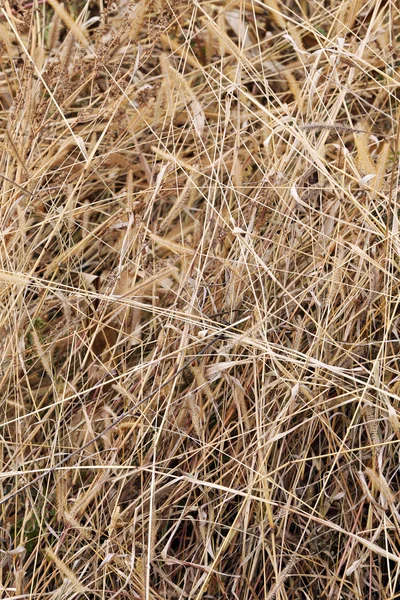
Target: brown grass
199 299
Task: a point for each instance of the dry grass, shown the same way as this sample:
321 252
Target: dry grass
200 299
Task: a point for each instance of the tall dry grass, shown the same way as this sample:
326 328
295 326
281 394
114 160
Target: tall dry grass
200 299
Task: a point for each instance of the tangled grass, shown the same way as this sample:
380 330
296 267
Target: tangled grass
199 287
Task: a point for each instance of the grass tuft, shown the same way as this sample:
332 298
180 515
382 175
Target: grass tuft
199 299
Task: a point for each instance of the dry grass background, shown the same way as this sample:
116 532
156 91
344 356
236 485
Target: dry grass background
199 272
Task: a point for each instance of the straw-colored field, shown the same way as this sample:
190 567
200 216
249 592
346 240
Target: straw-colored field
199 300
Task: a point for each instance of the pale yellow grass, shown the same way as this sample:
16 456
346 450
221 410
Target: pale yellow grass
199 299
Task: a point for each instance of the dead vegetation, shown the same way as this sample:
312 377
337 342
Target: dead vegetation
199 299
